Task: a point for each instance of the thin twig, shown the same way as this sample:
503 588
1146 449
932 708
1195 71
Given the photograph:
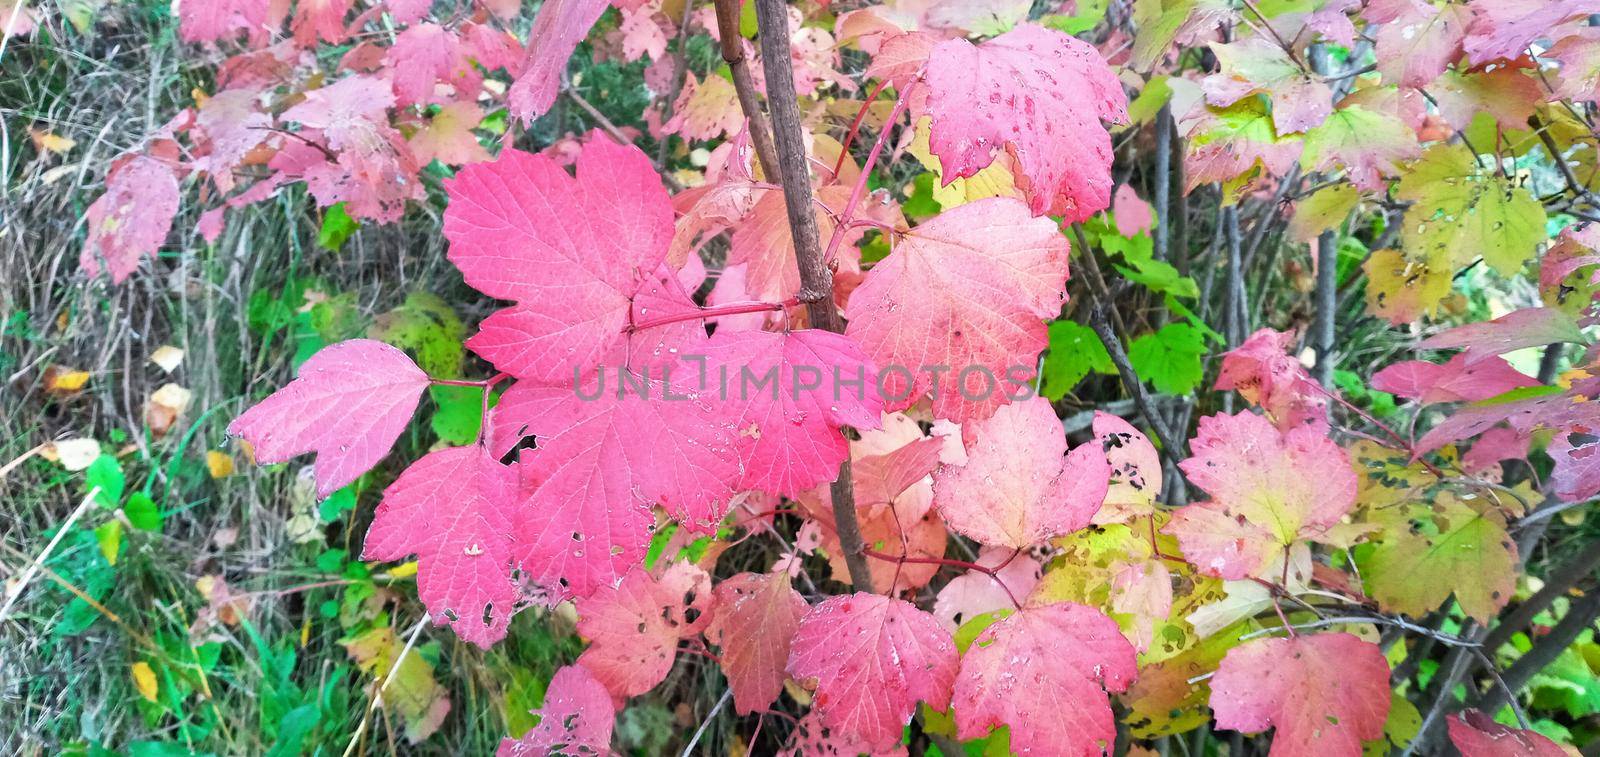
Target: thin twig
704 724
33 568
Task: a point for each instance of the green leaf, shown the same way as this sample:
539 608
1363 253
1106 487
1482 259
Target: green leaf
142 513
106 473
921 203
1170 358
337 503
1089 15
337 226
427 327
1074 351
459 414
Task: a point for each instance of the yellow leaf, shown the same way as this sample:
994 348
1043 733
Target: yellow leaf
144 679
47 141
403 570
60 379
219 463
73 454
167 357
109 536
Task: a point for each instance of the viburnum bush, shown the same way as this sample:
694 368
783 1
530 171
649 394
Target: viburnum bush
862 391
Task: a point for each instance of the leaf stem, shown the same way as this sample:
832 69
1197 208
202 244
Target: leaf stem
855 126
993 573
732 308
860 189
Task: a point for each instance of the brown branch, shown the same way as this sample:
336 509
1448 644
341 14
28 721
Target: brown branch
745 86
816 281
1563 579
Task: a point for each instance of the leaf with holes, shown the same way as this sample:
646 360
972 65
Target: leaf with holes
755 623
634 627
1324 694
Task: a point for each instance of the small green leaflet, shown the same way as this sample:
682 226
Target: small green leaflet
1074 352
1170 358
337 226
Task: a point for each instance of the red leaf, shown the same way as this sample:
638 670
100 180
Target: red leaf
1016 489
1477 735
873 658
756 619
1268 490
1505 28
1038 94
968 290
634 628
455 509
1454 381
131 219
974 593
791 392
319 18
1325 694
556 32
348 405
572 252
1135 481
223 19
577 718
1044 671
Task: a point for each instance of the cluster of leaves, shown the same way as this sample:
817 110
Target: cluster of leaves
1096 573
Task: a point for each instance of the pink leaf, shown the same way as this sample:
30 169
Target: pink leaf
1324 694
1269 489
969 290
765 245
556 32
1455 381
1038 94
1263 372
1256 65
232 125
634 628
408 11
1528 327
319 18
756 619
792 391
1478 735
1132 215
1420 42
131 219
455 509
1135 481
577 718
1504 28
424 55
1016 489
223 19
348 405
873 658
573 252
1044 671
974 593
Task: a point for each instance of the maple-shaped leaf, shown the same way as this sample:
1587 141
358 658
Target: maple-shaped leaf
455 509
1578 70
1462 211
1323 693
349 404
881 479
814 739
1325 209
634 627
1041 96
1135 473
1269 489
131 219
1506 93
1569 274
1455 381
624 424
756 619
448 137
1417 41
1044 671
559 27
1429 550
372 171
407 11
1236 145
1367 145
1478 735
706 109
324 19
1255 65
1017 489
1263 371
424 55
228 125
572 252
1505 28
970 290
975 593
577 719
1528 327
791 393
872 658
